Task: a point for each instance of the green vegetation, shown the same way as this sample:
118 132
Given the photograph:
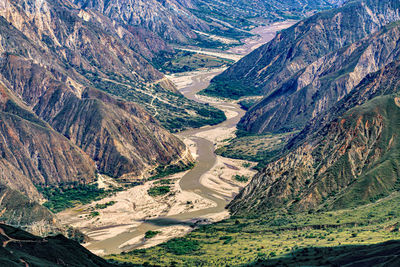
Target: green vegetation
164 181
246 164
257 148
159 191
246 104
105 205
229 89
63 197
276 236
164 171
93 214
181 246
241 178
151 234
184 61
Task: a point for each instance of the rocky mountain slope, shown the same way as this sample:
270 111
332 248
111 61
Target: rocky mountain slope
289 63
346 158
22 248
32 153
45 64
324 82
169 19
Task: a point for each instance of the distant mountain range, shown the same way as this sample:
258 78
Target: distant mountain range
183 21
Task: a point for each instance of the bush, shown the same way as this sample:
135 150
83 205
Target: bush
151 234
181 246
105 205
64 197
241 178
159 191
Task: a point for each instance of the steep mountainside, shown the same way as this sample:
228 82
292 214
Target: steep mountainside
85 48
169 19
32 153
349 158
24 249
46 66
19 211
272 70
241 14
321 84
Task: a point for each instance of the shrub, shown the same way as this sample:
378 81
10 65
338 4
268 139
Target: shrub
150 234
159 190
241 178
182 246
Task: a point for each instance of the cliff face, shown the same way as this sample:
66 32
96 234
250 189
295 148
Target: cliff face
346 158
273 70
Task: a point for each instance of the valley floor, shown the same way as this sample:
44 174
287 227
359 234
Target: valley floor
120 222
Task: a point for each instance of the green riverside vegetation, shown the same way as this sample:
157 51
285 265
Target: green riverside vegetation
159 190
276 237
183 61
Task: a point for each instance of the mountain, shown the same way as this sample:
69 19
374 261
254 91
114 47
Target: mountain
44 63
324 82
345 158
22 248
32 153
186 21
169 19
286 70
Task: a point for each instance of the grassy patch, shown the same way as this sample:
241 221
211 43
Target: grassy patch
241 178
257 148
184 61
63 197
159 191
151 234
229 89
181 246
246 104
164 171
105 205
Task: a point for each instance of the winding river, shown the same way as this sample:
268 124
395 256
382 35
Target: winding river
205 151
